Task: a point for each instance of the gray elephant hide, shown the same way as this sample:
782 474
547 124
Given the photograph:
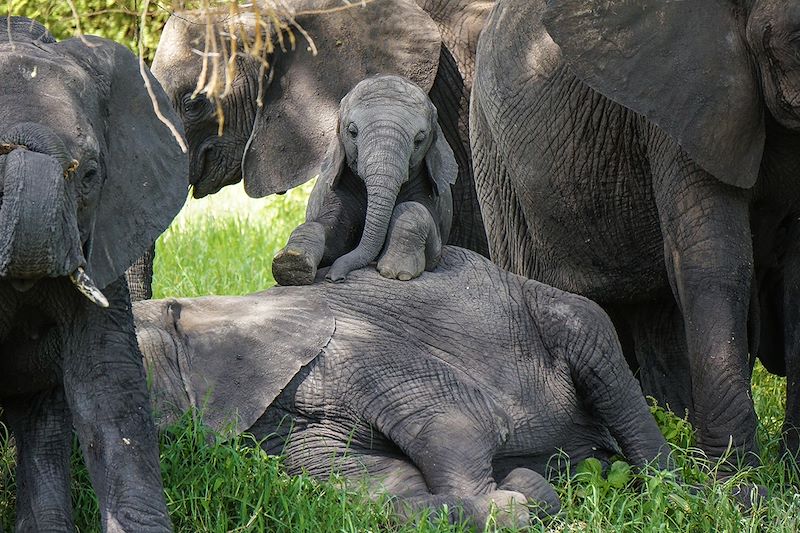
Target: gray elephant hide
232 373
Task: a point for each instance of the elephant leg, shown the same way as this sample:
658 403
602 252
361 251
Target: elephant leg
104 382
709 261
659 343
605 383
41 427
140 276
791 336
334 222
535 487
296 263
412 244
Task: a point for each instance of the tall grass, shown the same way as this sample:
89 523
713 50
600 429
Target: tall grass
224 245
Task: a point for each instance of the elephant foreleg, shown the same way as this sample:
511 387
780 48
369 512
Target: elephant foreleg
412 244
105 386
43 434
334 222
709 262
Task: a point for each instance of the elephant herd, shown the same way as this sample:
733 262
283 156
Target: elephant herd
639 154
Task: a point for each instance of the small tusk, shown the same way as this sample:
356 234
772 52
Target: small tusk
84 283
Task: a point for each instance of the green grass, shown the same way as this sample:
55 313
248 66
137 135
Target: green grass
224 245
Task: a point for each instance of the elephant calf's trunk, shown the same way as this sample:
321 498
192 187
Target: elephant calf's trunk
380 205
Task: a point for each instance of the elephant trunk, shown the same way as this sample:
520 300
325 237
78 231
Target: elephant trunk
39 235
383 175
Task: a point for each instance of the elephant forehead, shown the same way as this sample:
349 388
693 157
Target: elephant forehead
50 90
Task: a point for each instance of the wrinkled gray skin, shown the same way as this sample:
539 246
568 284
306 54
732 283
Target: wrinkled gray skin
140 276
279 146
89 178
647 156
409 384
385 180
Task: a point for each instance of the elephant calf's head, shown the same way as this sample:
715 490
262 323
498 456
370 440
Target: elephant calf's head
388 137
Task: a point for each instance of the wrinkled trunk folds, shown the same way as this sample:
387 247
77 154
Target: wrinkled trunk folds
39 234
383 177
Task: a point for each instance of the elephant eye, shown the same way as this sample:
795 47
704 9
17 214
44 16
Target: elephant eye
194 106
352 129
419 138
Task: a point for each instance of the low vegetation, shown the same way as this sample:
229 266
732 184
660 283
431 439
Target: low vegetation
224 245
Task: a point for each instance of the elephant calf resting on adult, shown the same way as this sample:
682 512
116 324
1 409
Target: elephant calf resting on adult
409 383
385 180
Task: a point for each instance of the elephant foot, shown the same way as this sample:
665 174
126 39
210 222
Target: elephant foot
749 494
745 494
497 509
293 266
402 264
536 488
504 508
790 445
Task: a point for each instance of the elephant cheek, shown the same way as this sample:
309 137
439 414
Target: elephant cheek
39 234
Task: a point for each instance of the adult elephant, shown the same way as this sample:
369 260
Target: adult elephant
280 145
89 178
646 155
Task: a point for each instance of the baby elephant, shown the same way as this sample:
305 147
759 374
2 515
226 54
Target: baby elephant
456 389
385 180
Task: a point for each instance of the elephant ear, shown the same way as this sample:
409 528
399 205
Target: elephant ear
235 353
301 103
683 64
440 162
333 163
146 173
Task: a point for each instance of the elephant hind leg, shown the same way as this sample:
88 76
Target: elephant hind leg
413 243
659 343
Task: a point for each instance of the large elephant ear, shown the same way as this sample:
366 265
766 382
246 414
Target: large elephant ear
235 354
293 128
683 64
146 173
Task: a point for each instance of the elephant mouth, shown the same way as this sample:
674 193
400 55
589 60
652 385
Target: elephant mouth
208 175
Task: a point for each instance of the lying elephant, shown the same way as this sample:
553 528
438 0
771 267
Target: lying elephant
408 383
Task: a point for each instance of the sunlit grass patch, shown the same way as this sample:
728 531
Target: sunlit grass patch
224 244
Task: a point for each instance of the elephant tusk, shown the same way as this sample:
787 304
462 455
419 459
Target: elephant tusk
84 283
